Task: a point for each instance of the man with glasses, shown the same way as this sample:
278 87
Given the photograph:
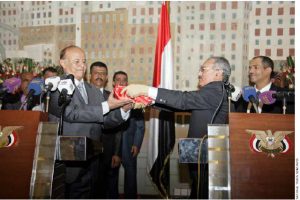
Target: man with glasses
85 115
207 105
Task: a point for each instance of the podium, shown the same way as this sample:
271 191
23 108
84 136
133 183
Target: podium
261 175
17 161
252 157
33 167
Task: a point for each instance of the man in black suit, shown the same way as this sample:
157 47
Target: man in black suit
132 138
110 159
85 115
208 105
260 74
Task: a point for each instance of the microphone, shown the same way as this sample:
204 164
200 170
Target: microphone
267 97
10 85
249 94
66 88
236 94
36 86
51 83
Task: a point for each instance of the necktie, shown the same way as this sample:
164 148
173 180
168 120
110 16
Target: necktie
257 94
82 92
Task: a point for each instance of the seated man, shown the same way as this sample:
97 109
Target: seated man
14 101
260 74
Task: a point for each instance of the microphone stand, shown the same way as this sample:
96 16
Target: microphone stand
284 104
61 121
229 89
47 101
255 107
67 100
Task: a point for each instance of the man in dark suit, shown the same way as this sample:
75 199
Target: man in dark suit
260 74
208 105
132 138
85 115
110 159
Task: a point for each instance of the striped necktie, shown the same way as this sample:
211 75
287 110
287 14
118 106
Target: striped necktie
82 91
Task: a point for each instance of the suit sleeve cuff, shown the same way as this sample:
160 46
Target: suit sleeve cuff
105 107
152 92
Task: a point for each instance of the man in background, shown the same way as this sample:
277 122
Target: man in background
261 70
110 159
132 138
49 72
14 101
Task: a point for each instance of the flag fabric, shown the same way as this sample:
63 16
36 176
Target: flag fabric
162 129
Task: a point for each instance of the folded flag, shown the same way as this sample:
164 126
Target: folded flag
140 99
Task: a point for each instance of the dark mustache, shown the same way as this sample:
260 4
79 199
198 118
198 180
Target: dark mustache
97 79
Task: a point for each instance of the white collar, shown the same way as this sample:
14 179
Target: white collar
77 82
264 89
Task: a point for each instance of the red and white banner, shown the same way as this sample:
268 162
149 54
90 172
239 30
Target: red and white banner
161 133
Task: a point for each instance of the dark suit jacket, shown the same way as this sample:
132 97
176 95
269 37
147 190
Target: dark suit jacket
82 119
202 104
111 138
241 104
134 129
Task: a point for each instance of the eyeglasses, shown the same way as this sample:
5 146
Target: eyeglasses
205 69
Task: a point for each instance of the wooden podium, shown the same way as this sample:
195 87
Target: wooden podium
259 175
34 166
17 161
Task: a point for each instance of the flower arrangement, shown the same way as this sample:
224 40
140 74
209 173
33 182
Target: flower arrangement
14 67
288 73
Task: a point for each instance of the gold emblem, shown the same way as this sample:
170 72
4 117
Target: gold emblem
265 141
8 135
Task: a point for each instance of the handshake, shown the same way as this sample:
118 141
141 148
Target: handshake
137 93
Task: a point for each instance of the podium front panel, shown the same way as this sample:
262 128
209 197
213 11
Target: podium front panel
17 160
268 174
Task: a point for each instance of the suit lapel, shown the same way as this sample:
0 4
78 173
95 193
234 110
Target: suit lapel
78 95
106 94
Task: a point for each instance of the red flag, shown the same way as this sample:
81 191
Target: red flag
162 129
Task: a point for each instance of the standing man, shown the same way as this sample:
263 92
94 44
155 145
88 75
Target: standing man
132 138
85 115
110 159
208 105
260 74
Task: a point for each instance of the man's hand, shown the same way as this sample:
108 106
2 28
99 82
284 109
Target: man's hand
134 151
127 107
135 90
115 161
115 103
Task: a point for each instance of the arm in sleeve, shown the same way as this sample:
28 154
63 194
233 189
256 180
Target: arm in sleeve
76 112
118 140
193 100
140 129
